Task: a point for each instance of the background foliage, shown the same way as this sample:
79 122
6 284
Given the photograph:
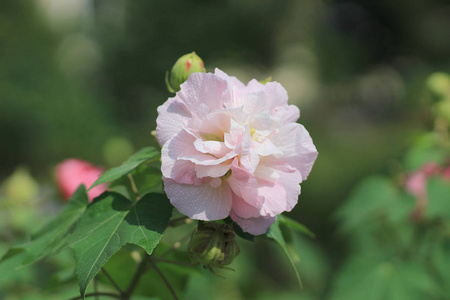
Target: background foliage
83 79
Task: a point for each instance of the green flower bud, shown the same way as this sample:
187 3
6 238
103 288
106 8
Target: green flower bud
439 84
213 245
20 187
182 69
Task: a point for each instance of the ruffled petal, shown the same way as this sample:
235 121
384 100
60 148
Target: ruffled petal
173 116
208 201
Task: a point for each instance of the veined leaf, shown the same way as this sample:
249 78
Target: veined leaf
132 163
295 225
112 221
276 234
51 237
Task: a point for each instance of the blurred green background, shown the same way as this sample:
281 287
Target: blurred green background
83 78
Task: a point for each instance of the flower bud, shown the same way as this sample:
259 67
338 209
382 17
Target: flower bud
20 187
185 66
213 245
439 84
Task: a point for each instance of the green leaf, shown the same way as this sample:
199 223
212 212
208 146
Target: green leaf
372 196
366 277
50 239
427 149
112 221
295 225
132 163
276 234
438 198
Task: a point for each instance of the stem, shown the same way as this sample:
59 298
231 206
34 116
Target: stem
96 287
169 286
135 280
97 294
116 286
133 186
176 245
174 262
179 221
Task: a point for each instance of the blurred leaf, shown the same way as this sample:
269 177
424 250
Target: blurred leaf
367 278
132 163
109 223
370 196
440 259
51 238
438 198
295 225
426 150
276 234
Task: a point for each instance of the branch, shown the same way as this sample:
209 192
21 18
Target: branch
169 286
113 282
135 280
180 263
179 221
176 245
97 294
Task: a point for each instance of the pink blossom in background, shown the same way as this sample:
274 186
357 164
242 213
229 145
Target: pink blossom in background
230 149
73 172
416 184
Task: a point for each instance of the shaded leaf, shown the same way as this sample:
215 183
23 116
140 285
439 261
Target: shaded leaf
51 238
132 163
112 221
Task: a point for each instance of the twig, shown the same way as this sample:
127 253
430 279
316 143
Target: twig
97 294
169 286
96 287
133 186
181 263
176 245
135 280
113 282
179 221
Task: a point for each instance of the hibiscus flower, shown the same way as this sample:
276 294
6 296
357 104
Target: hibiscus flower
230 149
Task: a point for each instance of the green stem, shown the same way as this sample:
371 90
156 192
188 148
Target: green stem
134 187
174 262
97 294
113 282
135 280
176 245
166 282
179 221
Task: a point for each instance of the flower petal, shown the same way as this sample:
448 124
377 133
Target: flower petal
254 226
179 170
208 201
172 117
298 148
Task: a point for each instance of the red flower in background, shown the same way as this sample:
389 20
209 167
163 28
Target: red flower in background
73 172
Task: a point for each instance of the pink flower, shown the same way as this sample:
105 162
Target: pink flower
73 172
233 150
416 184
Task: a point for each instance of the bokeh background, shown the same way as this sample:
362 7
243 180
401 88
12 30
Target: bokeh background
83 78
